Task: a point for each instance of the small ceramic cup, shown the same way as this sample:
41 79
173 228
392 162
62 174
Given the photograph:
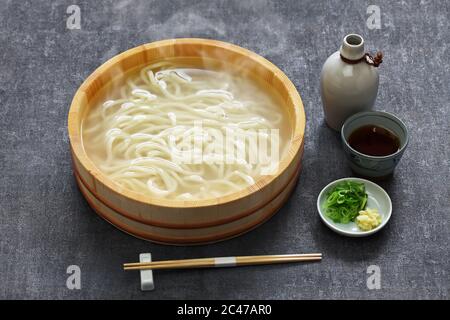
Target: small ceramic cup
374 166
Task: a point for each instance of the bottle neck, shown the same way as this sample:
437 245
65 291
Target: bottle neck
352 48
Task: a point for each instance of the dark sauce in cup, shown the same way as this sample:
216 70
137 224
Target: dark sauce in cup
374 141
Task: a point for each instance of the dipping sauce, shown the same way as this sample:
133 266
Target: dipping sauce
374 141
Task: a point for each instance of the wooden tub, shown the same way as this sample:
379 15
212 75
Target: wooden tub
177 221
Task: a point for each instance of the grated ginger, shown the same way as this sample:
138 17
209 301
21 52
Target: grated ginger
368 219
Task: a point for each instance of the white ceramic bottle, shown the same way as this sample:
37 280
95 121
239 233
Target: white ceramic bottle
349 81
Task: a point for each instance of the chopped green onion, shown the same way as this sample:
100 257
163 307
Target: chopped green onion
345 200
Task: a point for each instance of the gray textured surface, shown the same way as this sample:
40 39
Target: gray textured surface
46 225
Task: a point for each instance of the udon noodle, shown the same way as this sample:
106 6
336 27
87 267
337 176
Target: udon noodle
161 133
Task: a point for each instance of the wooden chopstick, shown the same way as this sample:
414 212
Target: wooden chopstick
134 264
222 261
280 256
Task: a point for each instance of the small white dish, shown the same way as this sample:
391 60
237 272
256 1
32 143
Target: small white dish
377 199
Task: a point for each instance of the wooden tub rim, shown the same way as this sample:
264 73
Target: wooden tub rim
74 119
199 225
183 241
